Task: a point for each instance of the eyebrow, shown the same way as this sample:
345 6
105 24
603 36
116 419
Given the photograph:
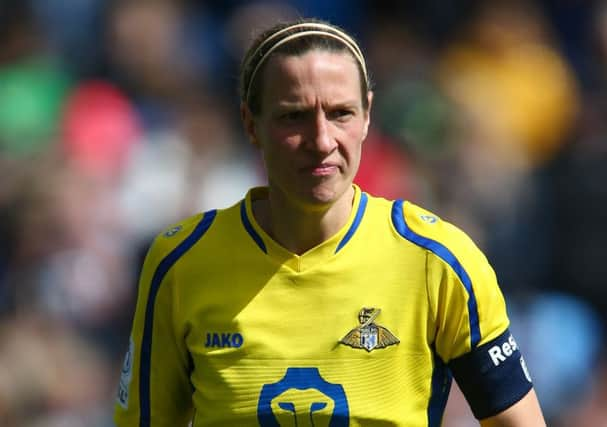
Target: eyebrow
288 105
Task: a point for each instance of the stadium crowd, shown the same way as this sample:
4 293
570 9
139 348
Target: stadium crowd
120 117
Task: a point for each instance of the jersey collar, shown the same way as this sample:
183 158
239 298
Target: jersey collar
315 255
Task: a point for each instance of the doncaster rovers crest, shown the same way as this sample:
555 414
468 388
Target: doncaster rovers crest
369 335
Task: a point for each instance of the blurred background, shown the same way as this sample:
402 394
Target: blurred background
118 118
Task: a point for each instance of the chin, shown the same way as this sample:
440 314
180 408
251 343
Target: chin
321 196
313 195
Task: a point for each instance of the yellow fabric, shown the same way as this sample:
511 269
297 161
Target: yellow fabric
289 313
448 296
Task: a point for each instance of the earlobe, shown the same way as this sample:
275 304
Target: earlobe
370 99
249 123
368 114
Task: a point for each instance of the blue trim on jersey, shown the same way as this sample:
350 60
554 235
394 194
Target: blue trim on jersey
146 342
446 255
357 219
441 384
249 227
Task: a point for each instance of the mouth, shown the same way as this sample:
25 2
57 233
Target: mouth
323 169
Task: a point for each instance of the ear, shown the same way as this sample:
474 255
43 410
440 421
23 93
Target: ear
248 122
368 114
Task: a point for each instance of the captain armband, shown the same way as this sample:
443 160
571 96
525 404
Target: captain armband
492 376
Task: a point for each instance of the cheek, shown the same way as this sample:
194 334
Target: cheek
280 143
352 142
278 151
284 136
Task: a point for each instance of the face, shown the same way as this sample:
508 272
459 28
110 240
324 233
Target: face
311 126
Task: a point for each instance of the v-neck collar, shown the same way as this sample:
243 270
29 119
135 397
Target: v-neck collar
313 256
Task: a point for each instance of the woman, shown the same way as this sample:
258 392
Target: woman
311 302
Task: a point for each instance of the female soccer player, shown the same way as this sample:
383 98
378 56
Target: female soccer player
311 302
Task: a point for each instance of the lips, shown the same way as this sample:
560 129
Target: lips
323 169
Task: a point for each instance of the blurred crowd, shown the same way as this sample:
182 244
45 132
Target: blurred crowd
120 117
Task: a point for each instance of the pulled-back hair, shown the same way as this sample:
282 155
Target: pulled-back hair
293 39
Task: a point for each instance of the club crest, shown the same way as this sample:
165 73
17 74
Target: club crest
369 335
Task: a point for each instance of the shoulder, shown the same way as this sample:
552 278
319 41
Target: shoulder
454 260
428 230
177 238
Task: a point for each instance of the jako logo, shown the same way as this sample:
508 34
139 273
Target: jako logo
221 340
500 352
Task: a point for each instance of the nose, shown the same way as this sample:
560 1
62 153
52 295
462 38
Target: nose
320 138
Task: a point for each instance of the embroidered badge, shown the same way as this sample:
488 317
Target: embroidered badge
173 231
430 219
369 335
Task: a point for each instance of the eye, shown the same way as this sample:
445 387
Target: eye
341 114
291 116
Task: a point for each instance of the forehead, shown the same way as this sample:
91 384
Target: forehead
315 72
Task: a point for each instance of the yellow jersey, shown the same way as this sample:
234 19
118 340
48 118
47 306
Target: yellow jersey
232 329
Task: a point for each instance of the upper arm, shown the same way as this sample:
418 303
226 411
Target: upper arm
470 320
468 308
525 413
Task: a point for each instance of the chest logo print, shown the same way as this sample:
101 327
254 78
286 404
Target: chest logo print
369 335
223 340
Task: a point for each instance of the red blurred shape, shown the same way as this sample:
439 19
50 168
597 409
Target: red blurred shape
100 126
384 168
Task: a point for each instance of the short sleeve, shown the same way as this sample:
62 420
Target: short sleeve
154 388
468 307
468 316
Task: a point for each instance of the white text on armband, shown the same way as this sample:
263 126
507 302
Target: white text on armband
499 353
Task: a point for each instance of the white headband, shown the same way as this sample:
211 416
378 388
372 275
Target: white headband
317 29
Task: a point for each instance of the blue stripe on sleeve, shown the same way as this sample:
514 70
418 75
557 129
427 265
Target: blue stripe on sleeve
357 219
146 343
249 227
446 255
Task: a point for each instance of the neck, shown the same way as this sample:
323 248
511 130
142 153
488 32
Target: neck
299 228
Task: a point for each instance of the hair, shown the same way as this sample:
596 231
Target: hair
295 38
